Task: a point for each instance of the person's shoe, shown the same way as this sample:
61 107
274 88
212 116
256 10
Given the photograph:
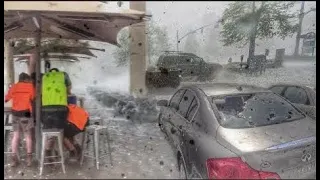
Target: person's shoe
29 159
15 160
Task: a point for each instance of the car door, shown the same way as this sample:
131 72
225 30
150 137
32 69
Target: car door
167 113
190 134
181 125
195 66
187 65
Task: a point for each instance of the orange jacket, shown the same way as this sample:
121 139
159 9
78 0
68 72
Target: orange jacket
22 94
77 116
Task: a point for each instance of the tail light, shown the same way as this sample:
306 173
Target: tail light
235 168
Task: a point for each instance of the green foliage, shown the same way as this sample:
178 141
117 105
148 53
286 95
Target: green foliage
157 39
270 18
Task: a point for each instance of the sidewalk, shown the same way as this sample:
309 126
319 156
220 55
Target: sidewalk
138 151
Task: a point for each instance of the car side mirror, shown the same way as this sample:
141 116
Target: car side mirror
162 103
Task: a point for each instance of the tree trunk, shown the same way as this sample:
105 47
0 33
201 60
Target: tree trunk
301 16
252 43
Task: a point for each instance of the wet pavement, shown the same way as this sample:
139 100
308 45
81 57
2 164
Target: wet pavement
138 151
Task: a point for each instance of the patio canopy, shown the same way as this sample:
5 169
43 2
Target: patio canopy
53 57
63 49
80 20
87 20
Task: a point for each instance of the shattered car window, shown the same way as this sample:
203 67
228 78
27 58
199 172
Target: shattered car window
254 110
296 95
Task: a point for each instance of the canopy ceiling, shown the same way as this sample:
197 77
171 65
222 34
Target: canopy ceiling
82 20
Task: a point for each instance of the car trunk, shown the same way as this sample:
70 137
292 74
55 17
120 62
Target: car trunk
289 149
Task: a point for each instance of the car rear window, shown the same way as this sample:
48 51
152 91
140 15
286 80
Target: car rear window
254 110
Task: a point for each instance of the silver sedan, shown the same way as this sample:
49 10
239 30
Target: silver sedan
228 131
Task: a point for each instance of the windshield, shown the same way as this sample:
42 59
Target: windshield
254 110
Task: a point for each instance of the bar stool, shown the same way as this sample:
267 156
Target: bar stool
55 133
93 120
97 131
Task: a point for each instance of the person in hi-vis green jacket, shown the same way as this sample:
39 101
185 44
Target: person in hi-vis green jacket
56 86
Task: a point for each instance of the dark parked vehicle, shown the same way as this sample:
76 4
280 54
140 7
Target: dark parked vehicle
227 131
171 64
303 97
161 77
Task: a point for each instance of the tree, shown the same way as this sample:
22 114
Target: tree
243 22
300 17
157 39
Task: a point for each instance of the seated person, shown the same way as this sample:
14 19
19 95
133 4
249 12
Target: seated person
78 119
55 88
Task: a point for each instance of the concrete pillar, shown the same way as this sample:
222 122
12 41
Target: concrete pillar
8 45
138 53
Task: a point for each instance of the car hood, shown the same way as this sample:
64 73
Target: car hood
247 140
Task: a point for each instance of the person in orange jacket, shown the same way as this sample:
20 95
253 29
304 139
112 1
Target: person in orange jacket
78 119
22 94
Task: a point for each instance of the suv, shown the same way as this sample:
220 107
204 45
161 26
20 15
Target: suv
174 66
190 65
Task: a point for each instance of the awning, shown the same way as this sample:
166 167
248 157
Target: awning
82 20
51 57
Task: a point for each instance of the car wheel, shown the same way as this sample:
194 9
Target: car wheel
182 169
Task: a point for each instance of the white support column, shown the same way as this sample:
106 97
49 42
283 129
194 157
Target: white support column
9 62
138 53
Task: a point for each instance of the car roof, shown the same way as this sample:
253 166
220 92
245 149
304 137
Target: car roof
178 54
288 84
216 89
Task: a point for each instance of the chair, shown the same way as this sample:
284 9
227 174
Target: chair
55 133
97 131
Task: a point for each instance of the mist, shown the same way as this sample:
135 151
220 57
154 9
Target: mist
183 17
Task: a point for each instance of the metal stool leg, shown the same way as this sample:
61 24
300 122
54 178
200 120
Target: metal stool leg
60 143
44 137
96 147
84 145
109 147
